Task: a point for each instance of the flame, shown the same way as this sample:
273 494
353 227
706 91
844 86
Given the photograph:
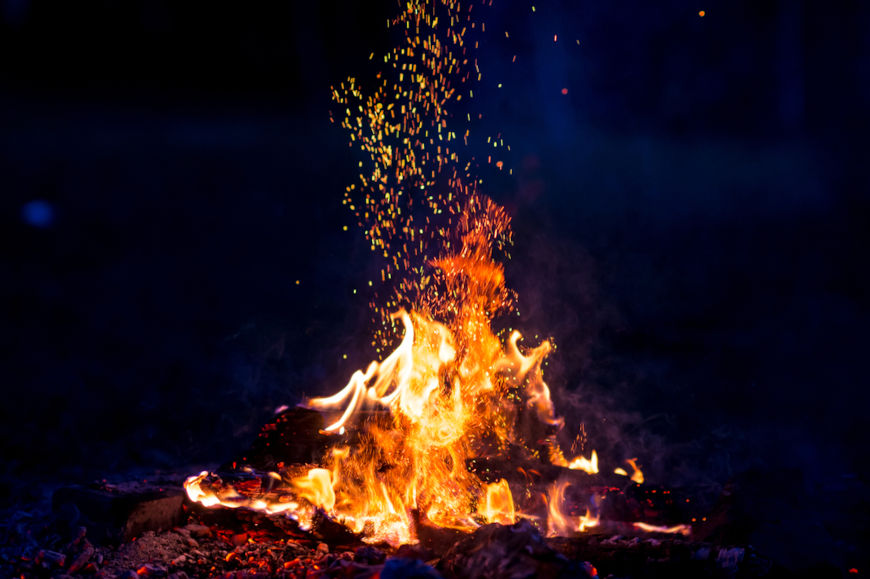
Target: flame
499 506
316 488
449 396
588 520
589 465
444 396
684 530
199 490
559 523
636 474
405 429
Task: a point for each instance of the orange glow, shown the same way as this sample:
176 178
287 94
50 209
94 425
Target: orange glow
499 506
701 13
559 523
316 488
636 474
589 465
684 530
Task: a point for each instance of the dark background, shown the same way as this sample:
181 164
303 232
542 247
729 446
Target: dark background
691 224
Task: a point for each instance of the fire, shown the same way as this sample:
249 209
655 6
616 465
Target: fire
559 523
405 429
443 397
316 488
636 473
589 465
499 506
684 530
587 521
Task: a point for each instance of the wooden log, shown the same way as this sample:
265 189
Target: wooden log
113 514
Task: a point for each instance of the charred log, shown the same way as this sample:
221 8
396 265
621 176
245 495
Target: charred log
120 513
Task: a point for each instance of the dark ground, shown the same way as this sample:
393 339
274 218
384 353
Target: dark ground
691 228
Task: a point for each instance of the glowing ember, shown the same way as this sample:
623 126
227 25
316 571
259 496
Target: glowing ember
405 430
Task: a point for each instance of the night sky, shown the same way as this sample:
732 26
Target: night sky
690 202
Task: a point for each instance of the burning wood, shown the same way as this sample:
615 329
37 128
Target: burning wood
233 543
403 442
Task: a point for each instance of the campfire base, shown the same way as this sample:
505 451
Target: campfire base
187 540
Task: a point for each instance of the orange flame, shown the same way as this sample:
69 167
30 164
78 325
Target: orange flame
316 488
684 530
589 465
559 523
444 408
406 428
499 506
587 521
636 474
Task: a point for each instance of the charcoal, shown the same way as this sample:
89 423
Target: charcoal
82 560
48 558
294 436
198 531
435 538
332 532
515 551
397 568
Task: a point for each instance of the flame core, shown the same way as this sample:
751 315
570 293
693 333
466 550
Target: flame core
588 465
445 396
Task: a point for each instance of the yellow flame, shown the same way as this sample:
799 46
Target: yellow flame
440 403
198 490
589 465
636 474
587 521
316 488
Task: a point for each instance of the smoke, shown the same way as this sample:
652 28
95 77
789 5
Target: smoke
602 377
